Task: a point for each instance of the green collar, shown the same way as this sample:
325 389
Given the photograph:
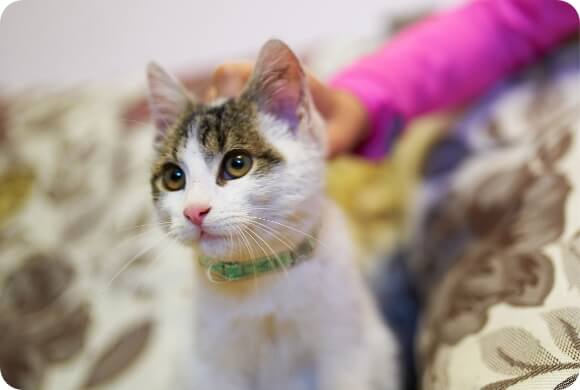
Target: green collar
228 271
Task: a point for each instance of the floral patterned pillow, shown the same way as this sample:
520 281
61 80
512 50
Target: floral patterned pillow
498 247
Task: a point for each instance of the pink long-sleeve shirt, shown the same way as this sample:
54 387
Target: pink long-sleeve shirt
450 58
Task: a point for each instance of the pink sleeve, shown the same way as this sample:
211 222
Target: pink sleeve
450 58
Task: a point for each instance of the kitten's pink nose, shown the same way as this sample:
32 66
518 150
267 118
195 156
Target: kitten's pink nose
196 214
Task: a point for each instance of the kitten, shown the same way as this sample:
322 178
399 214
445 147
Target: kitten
280 303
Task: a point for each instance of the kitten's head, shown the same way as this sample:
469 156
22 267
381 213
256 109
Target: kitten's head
239 178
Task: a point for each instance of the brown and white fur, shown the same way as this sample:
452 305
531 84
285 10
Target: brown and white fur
313 326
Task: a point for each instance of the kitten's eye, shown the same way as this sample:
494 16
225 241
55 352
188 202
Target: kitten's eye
236 164
173 177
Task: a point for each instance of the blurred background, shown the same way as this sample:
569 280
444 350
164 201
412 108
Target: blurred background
93 295
64 42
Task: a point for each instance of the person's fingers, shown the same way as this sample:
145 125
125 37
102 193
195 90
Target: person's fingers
337 142
228 80
210 94
347 125
321 94
341 139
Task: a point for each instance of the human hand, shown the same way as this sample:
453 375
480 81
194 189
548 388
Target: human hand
346 118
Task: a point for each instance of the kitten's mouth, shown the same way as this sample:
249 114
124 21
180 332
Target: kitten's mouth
204 235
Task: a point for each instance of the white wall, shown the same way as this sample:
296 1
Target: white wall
58 42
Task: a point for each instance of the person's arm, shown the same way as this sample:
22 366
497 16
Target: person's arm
446 60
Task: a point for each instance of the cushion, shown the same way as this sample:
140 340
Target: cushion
496 249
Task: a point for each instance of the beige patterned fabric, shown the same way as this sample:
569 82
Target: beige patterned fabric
502 239
84 300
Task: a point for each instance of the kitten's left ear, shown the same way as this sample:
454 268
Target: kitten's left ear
278 82
168 99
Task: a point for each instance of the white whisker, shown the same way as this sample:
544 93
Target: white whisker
146 225
250 253
170 244
292 228
131 261
280 263
251 235
272 232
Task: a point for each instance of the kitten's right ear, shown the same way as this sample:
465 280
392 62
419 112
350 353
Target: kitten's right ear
168 99
278 82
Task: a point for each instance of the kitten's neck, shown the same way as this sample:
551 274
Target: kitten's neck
288 238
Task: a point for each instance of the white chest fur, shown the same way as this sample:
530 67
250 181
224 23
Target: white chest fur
312 327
